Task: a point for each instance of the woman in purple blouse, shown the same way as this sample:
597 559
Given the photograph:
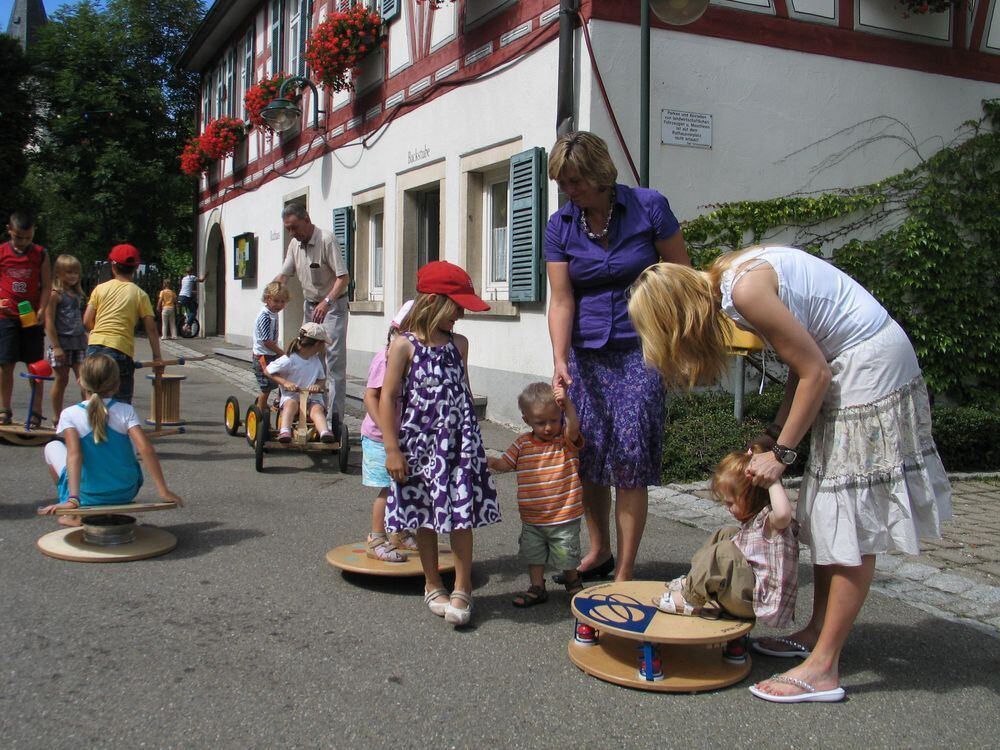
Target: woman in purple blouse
595 247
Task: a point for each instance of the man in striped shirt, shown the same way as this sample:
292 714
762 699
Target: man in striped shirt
549 493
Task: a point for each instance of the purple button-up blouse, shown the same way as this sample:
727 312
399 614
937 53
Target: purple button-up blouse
600 277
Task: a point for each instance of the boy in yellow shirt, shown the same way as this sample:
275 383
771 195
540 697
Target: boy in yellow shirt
113 310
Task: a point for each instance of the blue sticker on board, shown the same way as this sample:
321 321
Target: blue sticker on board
616 611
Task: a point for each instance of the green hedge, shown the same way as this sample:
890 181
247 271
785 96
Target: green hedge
701 429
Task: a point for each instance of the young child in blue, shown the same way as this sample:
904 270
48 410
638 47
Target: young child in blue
373 473
441 484
97 463
266 348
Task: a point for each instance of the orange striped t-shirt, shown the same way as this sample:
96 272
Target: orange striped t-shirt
548 479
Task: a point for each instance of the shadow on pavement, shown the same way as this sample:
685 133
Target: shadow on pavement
195 539
20 511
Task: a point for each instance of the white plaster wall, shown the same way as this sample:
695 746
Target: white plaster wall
777 115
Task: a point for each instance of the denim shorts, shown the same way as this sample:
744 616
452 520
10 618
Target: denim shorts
373 473
266 384
558 545
126 370
20 344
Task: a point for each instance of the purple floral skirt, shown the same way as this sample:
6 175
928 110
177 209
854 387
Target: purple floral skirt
622 407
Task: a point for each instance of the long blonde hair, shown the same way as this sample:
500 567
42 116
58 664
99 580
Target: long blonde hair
63 264
99 377
427 313
676 312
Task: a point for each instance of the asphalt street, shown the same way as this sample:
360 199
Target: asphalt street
244 637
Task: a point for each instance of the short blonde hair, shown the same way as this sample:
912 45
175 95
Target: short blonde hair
676 312
276 291
588 154
730 482
535 395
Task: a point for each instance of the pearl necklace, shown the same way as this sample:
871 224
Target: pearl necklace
607 225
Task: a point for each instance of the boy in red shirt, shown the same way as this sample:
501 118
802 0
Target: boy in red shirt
25 276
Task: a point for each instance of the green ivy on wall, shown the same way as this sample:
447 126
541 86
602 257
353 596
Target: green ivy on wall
925 242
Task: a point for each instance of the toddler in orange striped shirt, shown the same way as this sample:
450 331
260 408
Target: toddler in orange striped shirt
549 493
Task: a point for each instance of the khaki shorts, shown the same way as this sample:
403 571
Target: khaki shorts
557 545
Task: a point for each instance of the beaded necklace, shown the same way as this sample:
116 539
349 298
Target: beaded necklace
607 225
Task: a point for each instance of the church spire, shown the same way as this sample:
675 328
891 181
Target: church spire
26 18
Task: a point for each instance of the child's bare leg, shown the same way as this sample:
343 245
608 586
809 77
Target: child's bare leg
461 548
59 389
318 415
262 401
76 377
378 512
288 412
536 574
427 547
6 384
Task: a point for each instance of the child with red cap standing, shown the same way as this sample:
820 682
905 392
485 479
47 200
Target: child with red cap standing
112 312
441 484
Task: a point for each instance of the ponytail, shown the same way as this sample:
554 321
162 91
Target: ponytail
97 416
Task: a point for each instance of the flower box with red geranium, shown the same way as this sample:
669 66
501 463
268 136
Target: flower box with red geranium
339 44
221 137
194 161
263 93
924 7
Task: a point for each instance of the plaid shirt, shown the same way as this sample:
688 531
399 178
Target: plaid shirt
775 565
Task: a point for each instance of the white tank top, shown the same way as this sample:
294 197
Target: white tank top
835 309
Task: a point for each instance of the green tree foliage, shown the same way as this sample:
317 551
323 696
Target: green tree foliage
925 242
17 122
116 114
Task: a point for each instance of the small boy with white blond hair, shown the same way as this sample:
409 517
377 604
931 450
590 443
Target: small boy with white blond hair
266 348
549 492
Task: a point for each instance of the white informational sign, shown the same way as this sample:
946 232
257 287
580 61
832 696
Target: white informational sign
685 128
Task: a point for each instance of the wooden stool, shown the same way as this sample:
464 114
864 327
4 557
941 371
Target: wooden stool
353 558
170 401
621 637
111 535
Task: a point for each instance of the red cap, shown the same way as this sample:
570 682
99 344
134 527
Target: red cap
125 255
441 277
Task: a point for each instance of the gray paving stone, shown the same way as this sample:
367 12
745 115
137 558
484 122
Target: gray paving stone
983 593
950 583
887 563
916 571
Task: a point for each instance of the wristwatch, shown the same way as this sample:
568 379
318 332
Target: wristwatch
784 454
328 301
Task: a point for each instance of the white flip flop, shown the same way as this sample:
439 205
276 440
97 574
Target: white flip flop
812 695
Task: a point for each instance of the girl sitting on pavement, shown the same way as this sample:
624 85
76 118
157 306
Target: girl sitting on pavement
373 473
302 369
441 484
749 571
97 464
64 326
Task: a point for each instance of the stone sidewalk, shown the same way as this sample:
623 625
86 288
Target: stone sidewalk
957 576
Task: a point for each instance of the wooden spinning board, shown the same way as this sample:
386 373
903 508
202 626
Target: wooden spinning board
354 559
690 648
17 435
106 510
68 544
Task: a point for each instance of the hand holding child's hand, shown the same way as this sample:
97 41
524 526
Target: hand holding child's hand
559 394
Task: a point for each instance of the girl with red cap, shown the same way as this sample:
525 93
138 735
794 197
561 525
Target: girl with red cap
441 483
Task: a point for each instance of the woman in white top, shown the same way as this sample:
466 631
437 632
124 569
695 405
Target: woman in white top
874 481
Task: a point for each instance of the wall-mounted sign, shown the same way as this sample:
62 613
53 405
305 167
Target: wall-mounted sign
417 154
679 128
245 256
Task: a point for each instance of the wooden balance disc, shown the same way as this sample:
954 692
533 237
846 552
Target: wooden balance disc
72 543
353 558
688 649
16 434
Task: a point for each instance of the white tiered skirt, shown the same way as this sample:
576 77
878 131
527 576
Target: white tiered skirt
874 482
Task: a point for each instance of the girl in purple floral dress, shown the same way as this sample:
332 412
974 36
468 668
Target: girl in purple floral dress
441 483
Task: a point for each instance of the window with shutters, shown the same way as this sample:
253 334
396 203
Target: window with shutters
420 226
368 273
486 230
277 36
528 202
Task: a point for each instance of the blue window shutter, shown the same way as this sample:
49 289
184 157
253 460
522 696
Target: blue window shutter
343 230
528 202
390 9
